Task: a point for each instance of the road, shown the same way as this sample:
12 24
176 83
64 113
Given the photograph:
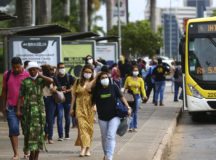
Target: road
194 140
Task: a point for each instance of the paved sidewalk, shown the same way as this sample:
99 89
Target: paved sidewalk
148 143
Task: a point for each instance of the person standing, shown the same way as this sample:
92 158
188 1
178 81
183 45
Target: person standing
177 81
104 96
10 92
31 110
64 83
137 86
158 74
84 111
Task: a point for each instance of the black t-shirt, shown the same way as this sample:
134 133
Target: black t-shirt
66 81
159 73
105 100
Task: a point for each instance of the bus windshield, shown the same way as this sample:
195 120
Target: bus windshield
202 58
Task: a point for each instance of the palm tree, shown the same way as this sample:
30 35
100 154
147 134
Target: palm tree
109 14
66 8
24 12
83 16
153 14
43 11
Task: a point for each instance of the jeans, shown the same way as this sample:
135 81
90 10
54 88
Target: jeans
177 85
159 88
133 123
63 109
108 135
13 121
50 107
150 86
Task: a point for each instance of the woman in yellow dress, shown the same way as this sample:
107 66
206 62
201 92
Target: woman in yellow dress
84 110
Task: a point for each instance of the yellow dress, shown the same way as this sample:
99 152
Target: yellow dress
85 116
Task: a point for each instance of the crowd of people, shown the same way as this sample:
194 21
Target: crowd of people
28 97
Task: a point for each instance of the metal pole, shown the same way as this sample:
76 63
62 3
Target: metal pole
119 29
33 13
170 52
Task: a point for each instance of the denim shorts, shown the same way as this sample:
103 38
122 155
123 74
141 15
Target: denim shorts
13 121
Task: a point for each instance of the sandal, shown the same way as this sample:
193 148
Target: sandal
26 156
15 158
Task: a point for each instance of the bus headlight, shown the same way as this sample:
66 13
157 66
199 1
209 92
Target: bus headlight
195 92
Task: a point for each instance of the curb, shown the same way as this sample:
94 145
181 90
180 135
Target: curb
163 149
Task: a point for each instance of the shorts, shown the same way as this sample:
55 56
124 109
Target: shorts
13 121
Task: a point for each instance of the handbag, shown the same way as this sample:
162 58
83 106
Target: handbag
123 126
121 109
59 97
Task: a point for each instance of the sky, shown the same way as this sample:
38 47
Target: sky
137 9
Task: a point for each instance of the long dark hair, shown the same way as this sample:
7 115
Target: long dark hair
82 79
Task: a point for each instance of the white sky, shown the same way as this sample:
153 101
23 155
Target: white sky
137 9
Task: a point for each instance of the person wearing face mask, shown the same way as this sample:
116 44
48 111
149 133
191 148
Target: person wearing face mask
12 80
96 64
137 86
84 110
105 100
32 113
64 82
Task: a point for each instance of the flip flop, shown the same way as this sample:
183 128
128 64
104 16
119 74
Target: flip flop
15 158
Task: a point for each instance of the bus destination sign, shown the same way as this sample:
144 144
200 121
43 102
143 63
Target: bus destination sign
207 28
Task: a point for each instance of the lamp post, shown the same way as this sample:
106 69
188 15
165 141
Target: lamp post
33 12
119 29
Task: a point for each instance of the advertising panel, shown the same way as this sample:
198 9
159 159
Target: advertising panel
43 50
73 54
107 51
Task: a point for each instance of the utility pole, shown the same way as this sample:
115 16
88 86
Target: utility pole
33 13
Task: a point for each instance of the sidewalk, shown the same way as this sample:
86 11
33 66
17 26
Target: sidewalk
155 127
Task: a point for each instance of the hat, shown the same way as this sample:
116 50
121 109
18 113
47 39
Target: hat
32 65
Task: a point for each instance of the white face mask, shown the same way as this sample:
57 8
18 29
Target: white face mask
62 71
90 61
105 82
35 77
135 73
87 75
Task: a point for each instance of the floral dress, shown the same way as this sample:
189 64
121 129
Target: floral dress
33 110
84 115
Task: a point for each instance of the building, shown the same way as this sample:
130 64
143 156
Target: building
172 20
194 3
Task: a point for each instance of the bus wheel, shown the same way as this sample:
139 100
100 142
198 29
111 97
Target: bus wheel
198 116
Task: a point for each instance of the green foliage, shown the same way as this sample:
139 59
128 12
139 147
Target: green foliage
70 22
214 13
139 39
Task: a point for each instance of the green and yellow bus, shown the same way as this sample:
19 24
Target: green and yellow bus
199 66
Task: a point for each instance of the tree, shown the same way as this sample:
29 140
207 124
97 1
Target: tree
43 11
24 12
109 14
214 13
83 15
139 39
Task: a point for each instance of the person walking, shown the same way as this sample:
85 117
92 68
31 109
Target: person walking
49 102
12 80
64 83
33 110
104 96
135 85
158 74
84 112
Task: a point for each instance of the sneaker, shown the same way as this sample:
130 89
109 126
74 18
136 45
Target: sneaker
50 141
67 138
60 139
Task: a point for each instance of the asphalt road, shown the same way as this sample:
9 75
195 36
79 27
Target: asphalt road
194 140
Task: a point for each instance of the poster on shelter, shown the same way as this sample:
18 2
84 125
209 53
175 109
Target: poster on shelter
73 54
43 50
107 51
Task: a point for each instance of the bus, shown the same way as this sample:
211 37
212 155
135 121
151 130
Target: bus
198 53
